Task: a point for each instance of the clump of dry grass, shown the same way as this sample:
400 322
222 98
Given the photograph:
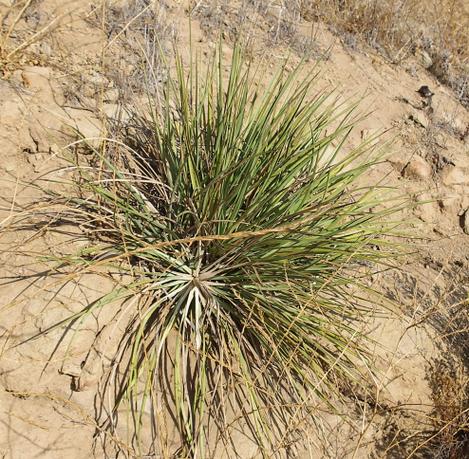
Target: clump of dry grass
259 23
441 429
143 31
450 393
9 50
442 433
19 29
439 29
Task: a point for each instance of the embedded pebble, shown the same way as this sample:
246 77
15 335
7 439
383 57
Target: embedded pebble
465 221
418 168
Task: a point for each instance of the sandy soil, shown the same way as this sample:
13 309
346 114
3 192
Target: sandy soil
76 74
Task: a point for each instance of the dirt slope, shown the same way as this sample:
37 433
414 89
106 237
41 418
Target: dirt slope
78 72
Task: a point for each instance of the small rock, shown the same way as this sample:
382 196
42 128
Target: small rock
453 175
10 165
427 212
115 111
70 369
418 169
87 126
111 95
427 208
98 80
45 49
449 204
465 221
365 134
425 59
425 91
37 79
419 119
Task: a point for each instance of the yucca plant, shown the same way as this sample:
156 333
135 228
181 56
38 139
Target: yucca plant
236 217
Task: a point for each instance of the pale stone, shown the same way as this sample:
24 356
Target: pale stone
428 212
85 125
419 118
98 80
37 78
453 175
111 95
425 59
115 111
418 168
45 49
9 164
